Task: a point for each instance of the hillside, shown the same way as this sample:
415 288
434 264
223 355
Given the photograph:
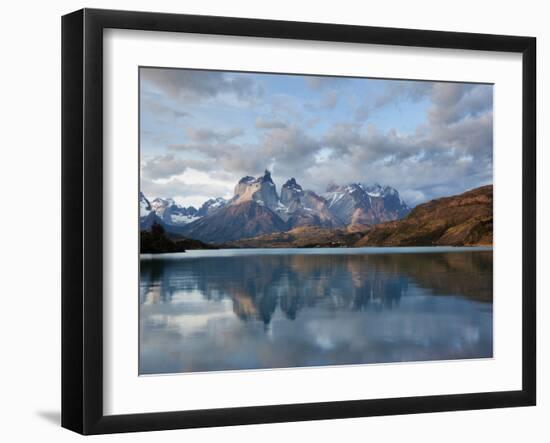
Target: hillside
301 237
460 220
246 219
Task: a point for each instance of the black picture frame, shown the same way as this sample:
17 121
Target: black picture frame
82 218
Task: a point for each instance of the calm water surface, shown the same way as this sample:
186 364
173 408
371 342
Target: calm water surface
275 308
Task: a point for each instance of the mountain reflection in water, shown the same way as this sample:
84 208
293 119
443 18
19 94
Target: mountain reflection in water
219 312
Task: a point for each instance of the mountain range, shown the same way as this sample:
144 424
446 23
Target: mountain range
257 209
460 220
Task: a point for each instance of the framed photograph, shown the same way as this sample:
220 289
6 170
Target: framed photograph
269 221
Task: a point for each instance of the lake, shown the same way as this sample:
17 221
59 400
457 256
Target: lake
278 308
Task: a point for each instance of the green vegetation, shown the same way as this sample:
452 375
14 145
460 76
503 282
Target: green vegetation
156 241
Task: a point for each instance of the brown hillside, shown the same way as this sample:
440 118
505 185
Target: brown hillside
301 237
460 220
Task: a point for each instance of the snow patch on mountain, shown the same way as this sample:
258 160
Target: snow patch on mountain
166 211
357 203
211 206
179 219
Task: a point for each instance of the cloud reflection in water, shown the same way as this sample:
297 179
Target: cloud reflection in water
290 310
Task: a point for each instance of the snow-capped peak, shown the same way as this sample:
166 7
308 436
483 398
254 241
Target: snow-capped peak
210 206
167 210
380 191
159 204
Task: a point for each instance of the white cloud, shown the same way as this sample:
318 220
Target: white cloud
449 152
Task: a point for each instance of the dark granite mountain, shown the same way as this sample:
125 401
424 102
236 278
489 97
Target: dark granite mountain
291 191
304 208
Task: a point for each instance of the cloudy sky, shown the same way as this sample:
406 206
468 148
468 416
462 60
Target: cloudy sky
201 131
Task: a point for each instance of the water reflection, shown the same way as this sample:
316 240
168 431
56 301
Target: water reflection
292 309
